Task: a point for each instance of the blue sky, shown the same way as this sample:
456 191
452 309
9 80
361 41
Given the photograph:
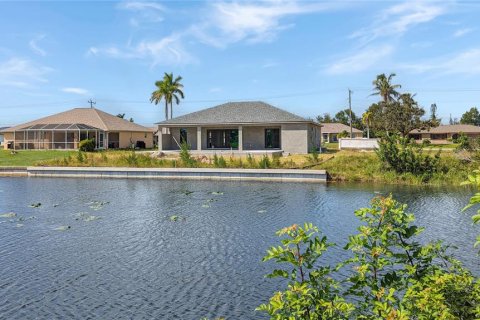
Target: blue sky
299 55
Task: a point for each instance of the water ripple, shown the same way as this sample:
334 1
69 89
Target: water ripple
135 263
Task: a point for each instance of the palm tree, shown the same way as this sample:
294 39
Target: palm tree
366 120
174 88
383 87
162 92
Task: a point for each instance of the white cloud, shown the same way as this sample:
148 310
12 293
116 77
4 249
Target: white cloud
215 90
466 62
34 45
19 72
230 22
145 11
166 51
462 32
270 64
399 18
141 5
79 91
361 60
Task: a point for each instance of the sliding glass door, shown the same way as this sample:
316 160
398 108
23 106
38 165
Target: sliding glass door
222 139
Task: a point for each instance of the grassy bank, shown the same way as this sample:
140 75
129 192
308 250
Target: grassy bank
30 158
365 167
346 166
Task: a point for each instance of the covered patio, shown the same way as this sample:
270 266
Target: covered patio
214 139
56 136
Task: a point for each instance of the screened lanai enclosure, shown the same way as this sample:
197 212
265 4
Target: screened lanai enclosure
57 136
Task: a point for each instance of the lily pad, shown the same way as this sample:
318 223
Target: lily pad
262 211
91 218
19 225
63 228
97 205
85 216
205 206
175 218
216 193
8 215
55 205
187 192
35 205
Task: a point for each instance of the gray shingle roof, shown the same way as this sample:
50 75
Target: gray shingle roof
237 112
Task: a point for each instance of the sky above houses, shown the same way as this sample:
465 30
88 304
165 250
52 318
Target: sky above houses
298 55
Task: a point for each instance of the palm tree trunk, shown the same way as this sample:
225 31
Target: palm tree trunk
171 110
368 131
166 110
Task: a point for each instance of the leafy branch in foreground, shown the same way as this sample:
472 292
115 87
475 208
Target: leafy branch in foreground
311 292
390 274
474 179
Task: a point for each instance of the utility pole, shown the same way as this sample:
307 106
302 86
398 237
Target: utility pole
91 103
350 106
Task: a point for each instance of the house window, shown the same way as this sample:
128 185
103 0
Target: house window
272 138
441 136
183 135
325 136
334 138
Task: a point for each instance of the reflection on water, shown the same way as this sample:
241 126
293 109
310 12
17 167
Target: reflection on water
135 261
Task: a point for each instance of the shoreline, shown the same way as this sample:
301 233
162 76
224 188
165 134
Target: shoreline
280 175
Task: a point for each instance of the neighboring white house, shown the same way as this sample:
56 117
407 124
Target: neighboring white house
330 131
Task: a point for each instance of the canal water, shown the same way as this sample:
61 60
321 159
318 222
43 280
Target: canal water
178 249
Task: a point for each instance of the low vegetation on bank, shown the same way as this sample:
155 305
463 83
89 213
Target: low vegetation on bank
446 167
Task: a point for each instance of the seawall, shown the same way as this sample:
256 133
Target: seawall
286 175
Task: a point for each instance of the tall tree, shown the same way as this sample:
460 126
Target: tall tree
383 87
343 116
175 91
401 116
326 118
366 121
472 116
433 111
160 94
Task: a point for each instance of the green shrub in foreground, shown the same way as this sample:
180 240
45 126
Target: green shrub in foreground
389 276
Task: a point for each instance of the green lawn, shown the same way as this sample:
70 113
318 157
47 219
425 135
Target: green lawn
331 146
29 158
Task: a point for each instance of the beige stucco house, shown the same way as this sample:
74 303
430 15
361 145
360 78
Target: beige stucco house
241 127
444 134
330 131
66 129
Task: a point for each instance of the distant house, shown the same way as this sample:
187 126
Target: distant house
445 133
330 131
66 129
1 135
240 127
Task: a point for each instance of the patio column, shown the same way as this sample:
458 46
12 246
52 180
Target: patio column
160 139
240 138
199 138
